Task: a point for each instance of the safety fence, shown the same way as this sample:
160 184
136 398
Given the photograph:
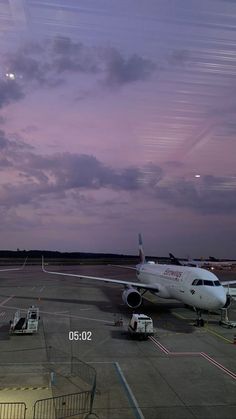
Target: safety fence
12 410
63 406
55 376
88 374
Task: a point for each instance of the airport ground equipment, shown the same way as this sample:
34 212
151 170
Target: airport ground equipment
141 326
118 320
25 325
224 320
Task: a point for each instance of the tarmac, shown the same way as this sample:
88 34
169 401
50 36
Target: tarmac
183 372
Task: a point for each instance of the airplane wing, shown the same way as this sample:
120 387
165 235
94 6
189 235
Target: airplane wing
231 291
15 269
124 266
106 280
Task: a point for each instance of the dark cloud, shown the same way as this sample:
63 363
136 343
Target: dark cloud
74 57
29 68
46 63
10 91
211 195
12 145
70 171
122 70
4 142
56 175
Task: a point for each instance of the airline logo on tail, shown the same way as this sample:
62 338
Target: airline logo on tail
141 253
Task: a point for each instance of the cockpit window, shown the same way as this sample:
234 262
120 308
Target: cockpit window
197 282
217 283
205 282
208 283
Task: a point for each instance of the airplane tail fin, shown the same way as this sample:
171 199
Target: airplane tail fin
141 252
174 260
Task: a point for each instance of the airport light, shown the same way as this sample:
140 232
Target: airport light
10 76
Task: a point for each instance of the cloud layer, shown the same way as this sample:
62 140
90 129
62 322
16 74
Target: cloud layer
57 174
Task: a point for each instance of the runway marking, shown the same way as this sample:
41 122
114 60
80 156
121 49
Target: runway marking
180 316
7 299
218 365
84 309
2 313
41 289
60 314
217 334
207 329
202 354
23 388
132 400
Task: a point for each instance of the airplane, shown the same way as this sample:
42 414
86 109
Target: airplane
210 263
192 286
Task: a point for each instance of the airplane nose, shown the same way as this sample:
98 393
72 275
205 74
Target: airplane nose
220 300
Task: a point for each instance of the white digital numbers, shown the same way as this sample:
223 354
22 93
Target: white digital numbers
76 335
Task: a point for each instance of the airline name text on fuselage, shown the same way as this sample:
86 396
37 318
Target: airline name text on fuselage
176 275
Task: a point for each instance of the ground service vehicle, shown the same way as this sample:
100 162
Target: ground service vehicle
141 326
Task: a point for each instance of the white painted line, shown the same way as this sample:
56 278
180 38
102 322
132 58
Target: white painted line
62 312
7 299
218 365
84 309
2 313
52 313
132 400
41 289
202 354
160 346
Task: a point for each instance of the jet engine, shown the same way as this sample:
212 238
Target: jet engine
131 297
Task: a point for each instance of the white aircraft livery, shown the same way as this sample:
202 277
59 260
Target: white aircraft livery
193 286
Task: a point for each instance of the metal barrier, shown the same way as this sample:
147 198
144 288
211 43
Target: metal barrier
83 370
63 406
88 374
12 410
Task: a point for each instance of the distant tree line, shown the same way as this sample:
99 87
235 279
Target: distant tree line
56 254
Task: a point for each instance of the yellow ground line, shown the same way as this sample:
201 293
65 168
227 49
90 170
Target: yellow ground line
217 334
207 329
180 316
23 388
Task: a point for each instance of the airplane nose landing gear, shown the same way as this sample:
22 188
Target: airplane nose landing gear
199 321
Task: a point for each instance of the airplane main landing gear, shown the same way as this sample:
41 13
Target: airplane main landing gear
199 321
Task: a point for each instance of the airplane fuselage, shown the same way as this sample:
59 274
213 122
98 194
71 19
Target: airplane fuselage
193 286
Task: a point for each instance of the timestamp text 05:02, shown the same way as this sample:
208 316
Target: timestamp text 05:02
83 335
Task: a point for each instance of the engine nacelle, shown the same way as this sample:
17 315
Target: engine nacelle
163 292
131 297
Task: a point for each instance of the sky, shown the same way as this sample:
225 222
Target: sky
118 117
